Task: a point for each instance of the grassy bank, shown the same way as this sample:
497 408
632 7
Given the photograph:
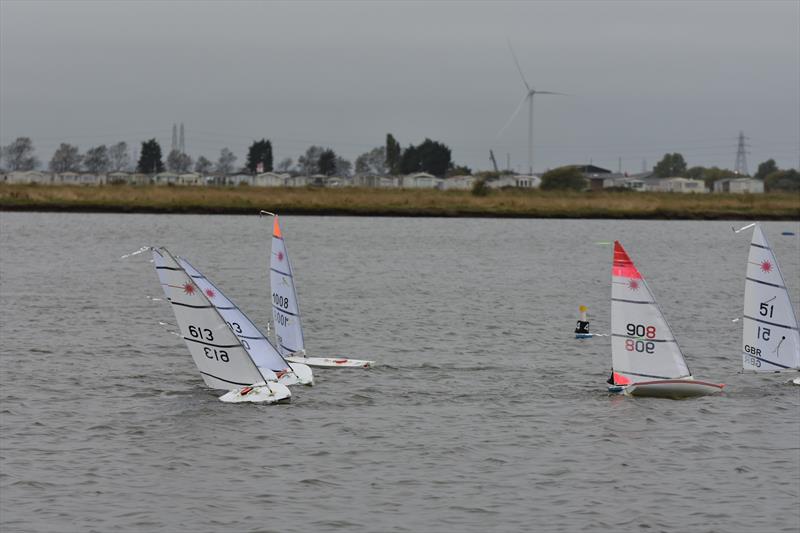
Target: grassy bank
384 202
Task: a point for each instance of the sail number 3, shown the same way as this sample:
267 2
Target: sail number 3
641 331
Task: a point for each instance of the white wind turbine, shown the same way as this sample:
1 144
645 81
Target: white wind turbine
529 94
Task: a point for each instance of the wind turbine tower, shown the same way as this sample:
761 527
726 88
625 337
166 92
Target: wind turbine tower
530 92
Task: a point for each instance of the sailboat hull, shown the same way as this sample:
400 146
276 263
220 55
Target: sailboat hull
329 362
267 393
672 388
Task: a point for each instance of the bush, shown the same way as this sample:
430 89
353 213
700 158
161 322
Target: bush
564 178
783 180
479 188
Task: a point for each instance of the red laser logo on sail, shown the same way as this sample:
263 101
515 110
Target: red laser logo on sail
633 285
210 293
766 266
280 256
188 288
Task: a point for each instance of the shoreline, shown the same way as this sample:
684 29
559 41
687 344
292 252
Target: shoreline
398 203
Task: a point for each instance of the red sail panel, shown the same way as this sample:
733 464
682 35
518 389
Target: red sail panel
623 266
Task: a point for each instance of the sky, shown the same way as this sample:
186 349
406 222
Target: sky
642 78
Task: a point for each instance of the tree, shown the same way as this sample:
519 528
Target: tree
66 159
564 178
372 162
309 162
96 160
459 170
671 165
695 173
393 154
226 161
118 156
19 155
259 152
766 168
178 161
326 164
343 167
203 165
285 164
430 156
783 180
712 174
150 158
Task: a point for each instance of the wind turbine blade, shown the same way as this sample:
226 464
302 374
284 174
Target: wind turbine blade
550 92
516 62
513 115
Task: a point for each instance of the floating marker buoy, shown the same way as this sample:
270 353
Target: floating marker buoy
582 327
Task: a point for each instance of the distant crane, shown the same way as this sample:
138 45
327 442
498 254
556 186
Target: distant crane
529 94
494 161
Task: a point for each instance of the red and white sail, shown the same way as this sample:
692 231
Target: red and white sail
285 309
643 347
770 337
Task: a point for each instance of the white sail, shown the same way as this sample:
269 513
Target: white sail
770 337
285 310
642 344
219 355
257 345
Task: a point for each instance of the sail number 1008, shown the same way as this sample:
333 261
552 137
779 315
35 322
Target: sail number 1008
639 345
281 302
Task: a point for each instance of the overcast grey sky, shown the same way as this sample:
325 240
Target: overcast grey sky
644 78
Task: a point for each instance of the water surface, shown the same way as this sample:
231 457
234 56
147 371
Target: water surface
484 413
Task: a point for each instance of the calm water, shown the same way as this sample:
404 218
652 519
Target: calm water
484 414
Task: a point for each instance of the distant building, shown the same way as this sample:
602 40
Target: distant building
421 180
165 178
683 185
460 183
269 179
513 180
297 181
739 185
381 182
28 176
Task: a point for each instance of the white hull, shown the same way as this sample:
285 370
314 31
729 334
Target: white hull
268 393
672 388
329 362
796 381
302 373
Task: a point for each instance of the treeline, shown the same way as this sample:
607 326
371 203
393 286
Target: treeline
673 165
429 156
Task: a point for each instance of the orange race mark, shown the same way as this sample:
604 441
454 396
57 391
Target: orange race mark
276 229
623 266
